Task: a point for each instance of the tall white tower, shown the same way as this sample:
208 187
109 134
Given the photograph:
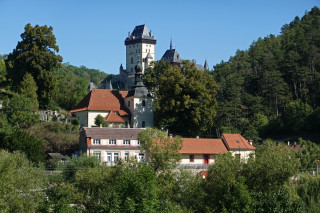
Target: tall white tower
140 46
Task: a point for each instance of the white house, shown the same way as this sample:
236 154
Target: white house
133 108
111 144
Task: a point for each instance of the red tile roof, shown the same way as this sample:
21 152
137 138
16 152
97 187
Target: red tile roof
114 118
236 141
103 100
203 146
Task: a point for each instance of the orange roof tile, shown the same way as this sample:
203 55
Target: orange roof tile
103 100
236 141
203 146
114 118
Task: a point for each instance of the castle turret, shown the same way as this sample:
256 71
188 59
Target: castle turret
140 102
140 46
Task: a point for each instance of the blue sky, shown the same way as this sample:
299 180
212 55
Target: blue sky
92 33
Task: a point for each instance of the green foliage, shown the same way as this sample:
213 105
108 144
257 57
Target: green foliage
21 140
28 88
59 137
21 186
308 154
162 150
226 187
277 77
20 111
99 120
296 115
184 97
76 122
272 166
3 71
79 163
35 54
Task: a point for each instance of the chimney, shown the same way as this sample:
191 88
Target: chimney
128 125
170 135
150 33
197 136
129 34
250 142
100 125
288 143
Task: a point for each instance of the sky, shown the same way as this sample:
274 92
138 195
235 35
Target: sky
92 32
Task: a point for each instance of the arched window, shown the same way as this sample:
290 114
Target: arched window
143 103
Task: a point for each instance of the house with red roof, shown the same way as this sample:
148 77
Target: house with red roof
133 108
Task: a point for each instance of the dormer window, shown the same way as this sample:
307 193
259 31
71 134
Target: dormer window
112 142
126 142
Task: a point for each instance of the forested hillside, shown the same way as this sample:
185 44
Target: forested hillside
273 87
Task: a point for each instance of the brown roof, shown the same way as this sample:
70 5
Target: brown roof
236 141
112 133
114 118
203 146
103 100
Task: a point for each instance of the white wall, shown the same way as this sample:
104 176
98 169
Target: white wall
198 159
244 154
138 51
93 114
83 118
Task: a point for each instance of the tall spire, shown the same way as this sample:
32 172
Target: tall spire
206 66
171 44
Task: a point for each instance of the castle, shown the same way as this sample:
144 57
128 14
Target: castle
140 46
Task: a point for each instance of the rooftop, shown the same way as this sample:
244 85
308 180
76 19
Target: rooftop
113 133
203 146
103 100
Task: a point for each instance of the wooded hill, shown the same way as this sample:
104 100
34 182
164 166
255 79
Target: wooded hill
273 87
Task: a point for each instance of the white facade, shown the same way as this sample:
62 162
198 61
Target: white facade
87 118
197 159
141 109
244 154
139 52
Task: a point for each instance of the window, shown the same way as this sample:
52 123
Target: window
112 142
138 142
115 157
141 157
131 60
143 124
128 103
146 50
126 142
126 156
96 141
143 103
109 157
191 157
97 155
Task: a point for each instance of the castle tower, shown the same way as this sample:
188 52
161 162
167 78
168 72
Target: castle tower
140 46
140 102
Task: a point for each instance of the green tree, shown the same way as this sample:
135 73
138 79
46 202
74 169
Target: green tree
99 120
227 191
162 150
308 154
3 71
185 96
28 88
21 140
35 54
272 167
22 185
20 111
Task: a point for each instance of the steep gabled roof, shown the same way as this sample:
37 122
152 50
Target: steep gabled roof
114 118
203 146
236 142
112 133
140 30
103 100
171 56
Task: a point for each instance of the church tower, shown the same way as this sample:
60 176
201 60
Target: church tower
140 46
140 102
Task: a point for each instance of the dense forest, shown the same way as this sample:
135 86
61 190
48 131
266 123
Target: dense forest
273 87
